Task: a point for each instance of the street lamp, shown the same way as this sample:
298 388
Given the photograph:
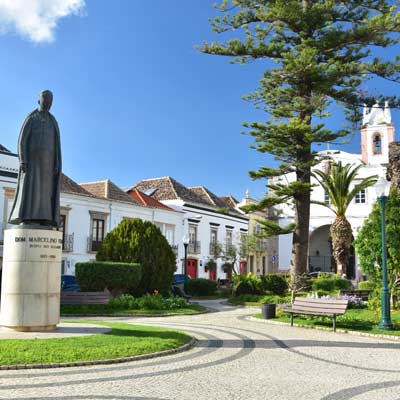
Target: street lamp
382 191
185 241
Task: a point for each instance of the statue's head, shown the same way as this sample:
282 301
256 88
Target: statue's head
45 100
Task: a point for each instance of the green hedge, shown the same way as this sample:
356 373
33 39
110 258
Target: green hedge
246 284
200 287
330 284
116 277
274 283
366 285
137 241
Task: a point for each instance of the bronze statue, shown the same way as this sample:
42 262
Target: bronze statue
37 199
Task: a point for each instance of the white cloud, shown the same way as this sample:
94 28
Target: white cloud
36 19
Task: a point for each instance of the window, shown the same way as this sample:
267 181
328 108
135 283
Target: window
228 237
257 229
326 198
213 235
61 228
97 233
377 144
192 233
98 229
170 234
361 197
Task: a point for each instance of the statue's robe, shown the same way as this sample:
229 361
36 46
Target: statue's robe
37 199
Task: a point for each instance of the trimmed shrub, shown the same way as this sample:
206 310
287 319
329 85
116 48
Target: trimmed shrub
147 302
366 285
200 287
246 284
274 283
141 242
116 277
330 284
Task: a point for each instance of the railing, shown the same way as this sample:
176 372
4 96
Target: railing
214 249
194 247
229 247
68 242
262 245
93 245
175 248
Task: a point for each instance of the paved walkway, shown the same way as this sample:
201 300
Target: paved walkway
234 359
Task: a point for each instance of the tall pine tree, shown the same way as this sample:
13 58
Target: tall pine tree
316 53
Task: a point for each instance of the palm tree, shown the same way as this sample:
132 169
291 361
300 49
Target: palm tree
338 185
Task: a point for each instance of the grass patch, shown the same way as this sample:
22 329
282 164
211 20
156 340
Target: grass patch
123 340
361 320
99 309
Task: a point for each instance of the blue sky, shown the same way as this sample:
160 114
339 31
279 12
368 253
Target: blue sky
133 97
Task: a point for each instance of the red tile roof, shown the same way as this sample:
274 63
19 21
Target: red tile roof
146 200
108 190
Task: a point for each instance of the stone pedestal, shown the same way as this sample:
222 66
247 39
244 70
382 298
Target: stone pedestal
30 292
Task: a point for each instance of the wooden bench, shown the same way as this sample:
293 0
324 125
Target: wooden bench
317 307
363 294
85 298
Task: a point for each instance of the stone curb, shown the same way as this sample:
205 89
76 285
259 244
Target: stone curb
132 315
321 328
120 360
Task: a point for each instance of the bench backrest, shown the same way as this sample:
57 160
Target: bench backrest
76 298
363 294
319 306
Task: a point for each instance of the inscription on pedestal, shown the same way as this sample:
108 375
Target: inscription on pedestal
40 245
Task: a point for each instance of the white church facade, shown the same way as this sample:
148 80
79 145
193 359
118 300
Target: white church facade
377 133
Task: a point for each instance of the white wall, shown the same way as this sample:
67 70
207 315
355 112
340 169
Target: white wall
320 215
205 217
79 221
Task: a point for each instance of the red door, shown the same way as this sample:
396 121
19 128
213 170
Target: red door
191 268
243 267
213 274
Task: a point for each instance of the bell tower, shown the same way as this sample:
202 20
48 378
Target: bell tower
377 133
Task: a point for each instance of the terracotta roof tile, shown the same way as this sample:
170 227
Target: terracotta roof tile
70 186
108 190
168 188
208 196
146 200
230 201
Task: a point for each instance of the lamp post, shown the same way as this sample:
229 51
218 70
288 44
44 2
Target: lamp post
382 191
185 241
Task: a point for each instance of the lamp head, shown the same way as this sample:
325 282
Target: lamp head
185 240
382 187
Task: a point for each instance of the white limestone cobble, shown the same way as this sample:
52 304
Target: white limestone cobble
235 358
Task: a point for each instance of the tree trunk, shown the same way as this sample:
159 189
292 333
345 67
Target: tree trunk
299 259
342 238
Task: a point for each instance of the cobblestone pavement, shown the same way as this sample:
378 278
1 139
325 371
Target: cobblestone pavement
235 359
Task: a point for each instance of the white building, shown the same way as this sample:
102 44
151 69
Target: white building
376 134
88 212
208 219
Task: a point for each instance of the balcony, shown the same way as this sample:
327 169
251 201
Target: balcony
229 248
68 243
175 248
215 249
93 244
194 247
262 246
